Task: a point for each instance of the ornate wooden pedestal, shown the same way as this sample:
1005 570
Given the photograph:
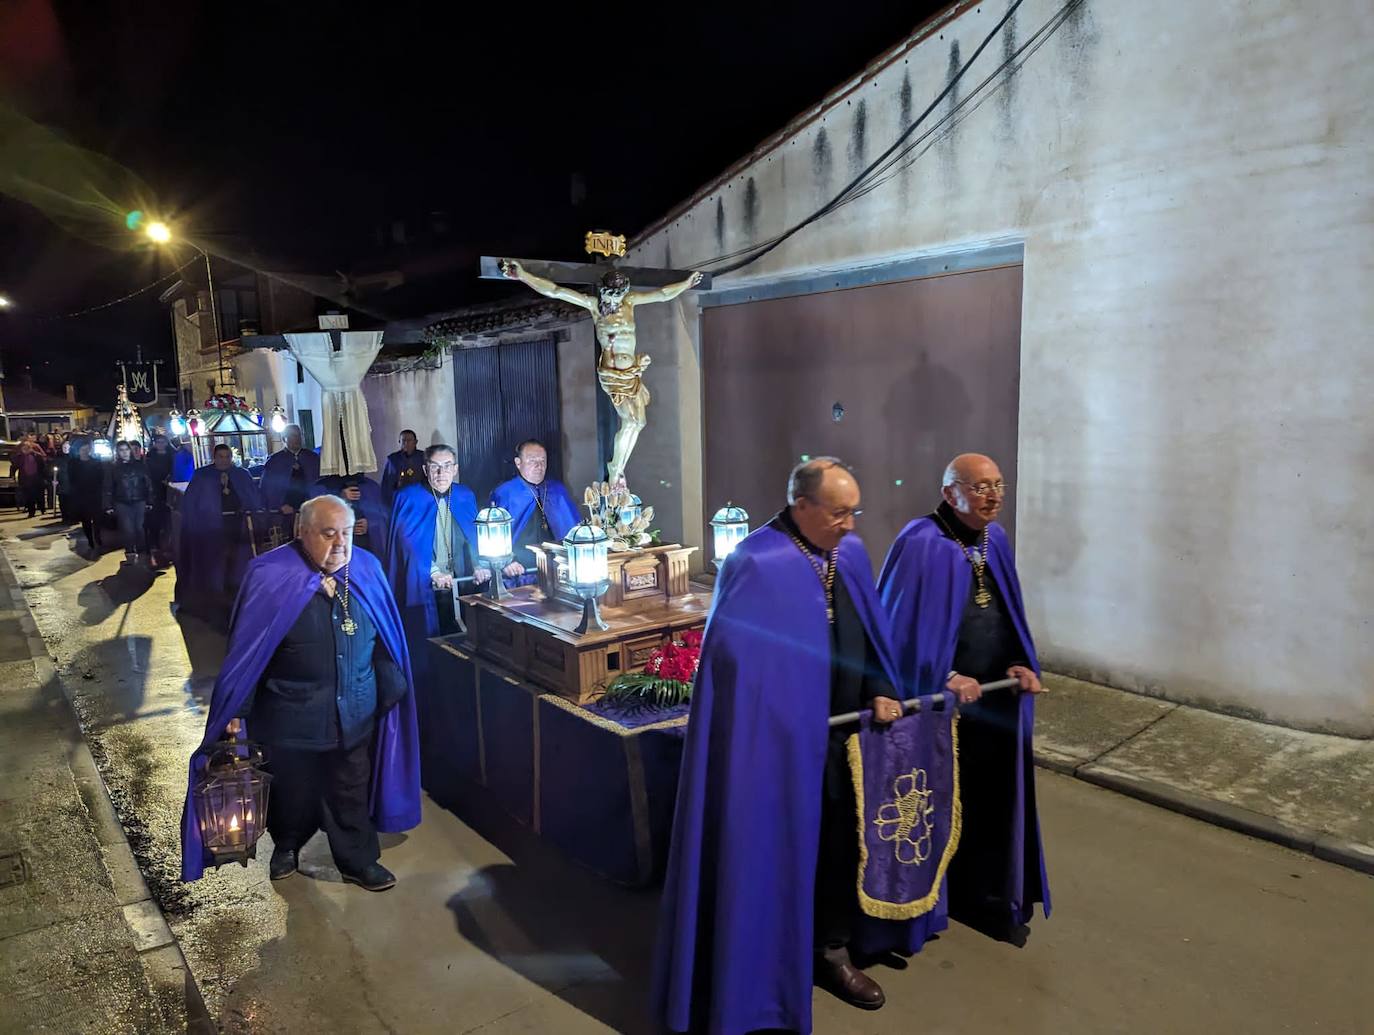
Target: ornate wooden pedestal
531 631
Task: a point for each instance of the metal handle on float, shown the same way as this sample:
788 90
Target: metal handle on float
914 704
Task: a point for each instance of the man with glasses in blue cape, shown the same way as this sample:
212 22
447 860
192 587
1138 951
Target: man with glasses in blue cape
318 672
761 895
950 589
540 508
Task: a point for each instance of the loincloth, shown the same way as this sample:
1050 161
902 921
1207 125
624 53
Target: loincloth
622 385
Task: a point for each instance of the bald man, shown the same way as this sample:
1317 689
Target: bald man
953 599
761 894
317 670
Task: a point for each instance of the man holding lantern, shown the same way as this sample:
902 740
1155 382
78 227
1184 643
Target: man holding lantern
317 670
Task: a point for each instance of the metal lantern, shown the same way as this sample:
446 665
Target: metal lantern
494 546
193 422
176 423
255 415
588 571
230 800
629 513
728 527
278 419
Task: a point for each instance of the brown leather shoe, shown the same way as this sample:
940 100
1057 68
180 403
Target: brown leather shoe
845 981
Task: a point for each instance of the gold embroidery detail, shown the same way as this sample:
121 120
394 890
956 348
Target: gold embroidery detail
905 910
906 815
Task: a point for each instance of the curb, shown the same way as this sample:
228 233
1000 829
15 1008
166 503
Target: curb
152 937
1326 847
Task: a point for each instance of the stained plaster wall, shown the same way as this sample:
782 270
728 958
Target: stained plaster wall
1192 186
421 399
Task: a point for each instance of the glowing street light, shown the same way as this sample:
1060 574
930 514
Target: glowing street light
5 302
159 232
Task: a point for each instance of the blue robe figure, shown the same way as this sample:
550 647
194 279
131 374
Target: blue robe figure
410 561
926 584
276 589
183 463
736 947
370 507
287 479
402 469
213 548
539 514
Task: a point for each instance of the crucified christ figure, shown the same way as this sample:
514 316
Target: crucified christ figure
619 369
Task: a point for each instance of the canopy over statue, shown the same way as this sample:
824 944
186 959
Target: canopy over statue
620 367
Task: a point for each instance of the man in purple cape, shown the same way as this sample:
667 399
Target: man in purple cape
213 548
403 467
365 497
367 779
540 508
950 589
761 892
287 477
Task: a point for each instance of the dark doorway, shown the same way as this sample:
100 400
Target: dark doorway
505 394
895 379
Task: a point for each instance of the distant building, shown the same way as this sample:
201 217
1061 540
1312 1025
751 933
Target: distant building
27 410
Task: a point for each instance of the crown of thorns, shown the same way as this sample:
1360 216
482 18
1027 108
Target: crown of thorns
615 281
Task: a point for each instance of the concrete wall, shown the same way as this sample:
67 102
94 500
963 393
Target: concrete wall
1192 186
420 399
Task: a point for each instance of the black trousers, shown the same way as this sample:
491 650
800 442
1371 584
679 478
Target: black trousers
837 869
90 524
324 789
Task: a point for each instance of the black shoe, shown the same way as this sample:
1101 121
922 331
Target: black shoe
838 976
374 878
283 863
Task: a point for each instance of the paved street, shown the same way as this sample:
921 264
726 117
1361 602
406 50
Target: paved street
1161 924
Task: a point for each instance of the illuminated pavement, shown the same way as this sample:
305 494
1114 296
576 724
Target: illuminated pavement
1161 923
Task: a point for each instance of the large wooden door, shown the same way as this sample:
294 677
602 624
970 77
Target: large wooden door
894 379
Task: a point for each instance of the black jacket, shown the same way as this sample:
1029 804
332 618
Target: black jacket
159 468
87 480
127 482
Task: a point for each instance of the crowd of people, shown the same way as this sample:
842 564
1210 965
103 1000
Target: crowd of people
126 491
760 902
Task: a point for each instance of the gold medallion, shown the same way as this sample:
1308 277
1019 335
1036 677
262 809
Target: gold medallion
349 626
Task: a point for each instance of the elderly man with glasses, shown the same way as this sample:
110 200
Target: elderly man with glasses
950 589
431 552
761 895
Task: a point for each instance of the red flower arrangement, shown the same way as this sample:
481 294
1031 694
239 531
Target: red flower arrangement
226 401
666 679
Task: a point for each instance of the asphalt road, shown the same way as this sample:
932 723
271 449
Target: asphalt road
1161 923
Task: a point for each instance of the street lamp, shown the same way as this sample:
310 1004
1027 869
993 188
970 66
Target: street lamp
5 302
160 233
588 571
494 546
278 419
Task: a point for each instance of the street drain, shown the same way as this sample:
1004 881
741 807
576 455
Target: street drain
14 868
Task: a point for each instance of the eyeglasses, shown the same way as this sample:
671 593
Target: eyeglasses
448 465
986 488
840 515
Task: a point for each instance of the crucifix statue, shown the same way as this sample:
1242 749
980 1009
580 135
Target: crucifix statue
620 368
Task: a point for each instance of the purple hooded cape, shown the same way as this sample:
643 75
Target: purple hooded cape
517 498
275 591
276 475
924 586
735 940
370 507
201 546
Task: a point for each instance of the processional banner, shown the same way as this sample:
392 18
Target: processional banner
906 784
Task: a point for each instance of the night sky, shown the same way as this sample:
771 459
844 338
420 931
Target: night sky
296 135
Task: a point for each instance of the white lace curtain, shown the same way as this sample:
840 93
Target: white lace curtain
346 430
